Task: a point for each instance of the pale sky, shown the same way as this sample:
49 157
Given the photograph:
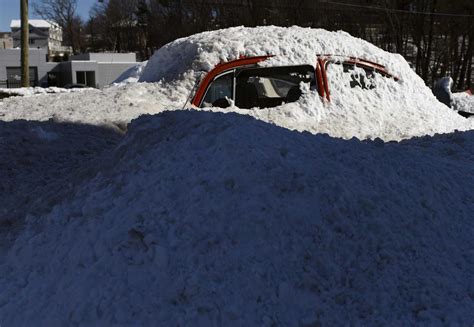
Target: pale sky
10 9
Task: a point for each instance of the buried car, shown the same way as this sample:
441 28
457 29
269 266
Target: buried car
299 78
248 85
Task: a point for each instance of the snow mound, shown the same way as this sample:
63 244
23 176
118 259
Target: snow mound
203 219
295 45
131 75
393 111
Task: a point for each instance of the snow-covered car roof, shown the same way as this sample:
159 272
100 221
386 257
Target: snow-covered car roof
288 45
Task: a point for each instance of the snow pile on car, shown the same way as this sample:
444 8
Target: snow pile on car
202 219
394 111
399 110
463 101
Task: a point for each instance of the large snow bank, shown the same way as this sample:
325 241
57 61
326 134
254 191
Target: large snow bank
398 110
41 159
204 219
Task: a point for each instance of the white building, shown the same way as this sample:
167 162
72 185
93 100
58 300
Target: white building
43 35
92 69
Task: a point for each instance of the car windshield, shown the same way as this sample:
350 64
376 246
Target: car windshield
272 86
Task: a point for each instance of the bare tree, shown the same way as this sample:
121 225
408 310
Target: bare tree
63 12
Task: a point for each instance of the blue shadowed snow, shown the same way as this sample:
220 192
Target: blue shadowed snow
207 219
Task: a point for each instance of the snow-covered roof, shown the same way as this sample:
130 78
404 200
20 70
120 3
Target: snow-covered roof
39 23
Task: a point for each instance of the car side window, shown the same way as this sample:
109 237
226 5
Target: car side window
220 91
271 86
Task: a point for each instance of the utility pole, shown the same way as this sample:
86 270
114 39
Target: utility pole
25 29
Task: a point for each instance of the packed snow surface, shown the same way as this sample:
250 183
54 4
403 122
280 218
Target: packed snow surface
391 111
204 219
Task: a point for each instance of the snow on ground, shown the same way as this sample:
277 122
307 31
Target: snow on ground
40 160
393 111
114 106
203 219
199 218
30 91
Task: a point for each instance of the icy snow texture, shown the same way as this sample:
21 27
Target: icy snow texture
394 111
206 219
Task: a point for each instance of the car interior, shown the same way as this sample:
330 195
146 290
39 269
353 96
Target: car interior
259 87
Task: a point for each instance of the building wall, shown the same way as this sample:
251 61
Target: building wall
66 72
105 73
114 57
37 43
6 41
107 57
37 57
83 66
109 72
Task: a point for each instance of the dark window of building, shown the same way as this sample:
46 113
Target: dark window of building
86 78
14 76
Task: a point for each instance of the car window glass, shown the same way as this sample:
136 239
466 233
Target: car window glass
219 91
271 86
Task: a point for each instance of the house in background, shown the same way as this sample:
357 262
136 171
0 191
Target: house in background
6 41
91 69
43 35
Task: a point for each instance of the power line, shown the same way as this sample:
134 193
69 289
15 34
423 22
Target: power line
396 10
